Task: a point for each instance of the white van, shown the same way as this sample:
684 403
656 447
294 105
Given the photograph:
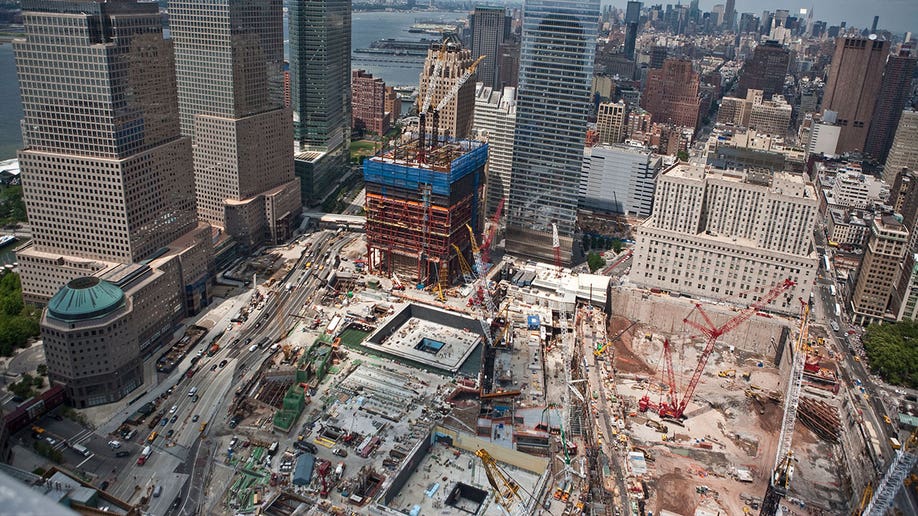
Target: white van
253 348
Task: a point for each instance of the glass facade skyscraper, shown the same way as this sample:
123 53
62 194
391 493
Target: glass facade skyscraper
553 101
320 72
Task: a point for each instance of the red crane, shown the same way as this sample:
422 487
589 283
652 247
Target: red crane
495 220
675 407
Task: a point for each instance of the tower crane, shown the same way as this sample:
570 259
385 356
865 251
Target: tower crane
451 94
675 408
506 490
469 277
901 465
492 231
784 456
482 277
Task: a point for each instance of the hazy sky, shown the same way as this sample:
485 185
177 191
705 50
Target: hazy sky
895 15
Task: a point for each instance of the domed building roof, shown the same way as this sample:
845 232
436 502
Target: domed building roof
85 298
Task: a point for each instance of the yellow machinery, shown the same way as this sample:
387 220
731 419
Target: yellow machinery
506 490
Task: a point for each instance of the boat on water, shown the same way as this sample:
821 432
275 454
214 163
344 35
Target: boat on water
7 239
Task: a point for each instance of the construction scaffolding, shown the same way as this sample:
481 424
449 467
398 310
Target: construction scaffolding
417 212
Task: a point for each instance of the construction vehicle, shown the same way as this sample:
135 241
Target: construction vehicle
902 464
601 347
397 282
784 468
729 373
506 490
675 407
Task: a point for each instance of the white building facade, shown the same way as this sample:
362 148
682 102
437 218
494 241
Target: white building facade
619 179
495 121
729 236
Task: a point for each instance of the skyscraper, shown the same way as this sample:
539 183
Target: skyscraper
455 119
117 253
495 120
729 15
610 121
553 101
765 70
490 30
897 78
229 70
879 271
903 153
105 182
320 70
855 77
632 17
671 93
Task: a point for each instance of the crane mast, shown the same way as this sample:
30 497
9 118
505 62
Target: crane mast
784 459
900 467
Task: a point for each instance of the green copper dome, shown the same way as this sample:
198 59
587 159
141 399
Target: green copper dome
85 298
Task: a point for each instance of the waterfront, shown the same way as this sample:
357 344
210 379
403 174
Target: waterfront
366 27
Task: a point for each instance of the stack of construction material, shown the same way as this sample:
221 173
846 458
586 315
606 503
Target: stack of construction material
821 418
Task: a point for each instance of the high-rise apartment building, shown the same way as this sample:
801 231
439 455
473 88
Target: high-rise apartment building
495 121
619 179
729 235
393 104
897 80
553 102
671 93
490 30
765 70
611 118
109 190
880 270
455 119
320 69
632 18
903 153
855 77
229 64
368 103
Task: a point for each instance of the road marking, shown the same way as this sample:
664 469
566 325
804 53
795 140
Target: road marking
80 465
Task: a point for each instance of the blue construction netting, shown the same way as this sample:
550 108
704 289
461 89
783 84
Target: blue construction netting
377 170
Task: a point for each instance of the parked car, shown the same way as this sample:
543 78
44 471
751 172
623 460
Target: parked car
341 452
122 454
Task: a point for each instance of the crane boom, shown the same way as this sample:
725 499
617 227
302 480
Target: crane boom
482 277
506 490
434 77
714 332
462 80
894 478
784 468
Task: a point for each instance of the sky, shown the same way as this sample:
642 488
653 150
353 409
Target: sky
896 16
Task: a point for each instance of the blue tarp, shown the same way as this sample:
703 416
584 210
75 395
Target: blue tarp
533 322
302 475
375 170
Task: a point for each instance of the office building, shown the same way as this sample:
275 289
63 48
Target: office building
823 138
368 103
320 69
610 122
671 93
771 116
658 55
495 122
904 200
765 70
728 235
509 66
632 18
490 30
553 102
455 118
903 153
619 179
729 16
229 71
108 188
392 105
855 78
897 82
417 212
880 269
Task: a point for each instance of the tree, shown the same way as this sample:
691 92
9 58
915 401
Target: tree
42 369
595 261
892 350
682 155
